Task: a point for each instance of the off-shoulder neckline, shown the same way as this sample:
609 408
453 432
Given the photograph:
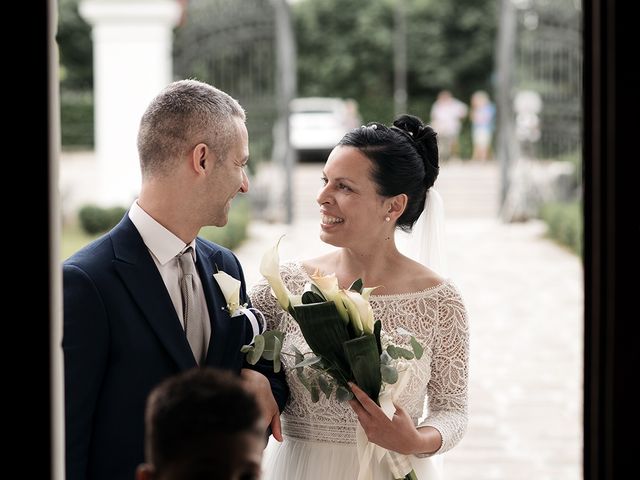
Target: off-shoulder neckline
392 296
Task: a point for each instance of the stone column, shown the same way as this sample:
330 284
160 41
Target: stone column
132 41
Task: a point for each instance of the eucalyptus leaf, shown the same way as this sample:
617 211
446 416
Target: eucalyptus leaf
315 393
277 348
325 386
270 337
299 357
385 358
307 361
418 349
392 350
254 355
389 374
246 348
404 353
343 394
303 379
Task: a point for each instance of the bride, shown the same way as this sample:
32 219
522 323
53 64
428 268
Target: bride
377 180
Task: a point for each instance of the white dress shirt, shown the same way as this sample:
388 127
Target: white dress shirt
164 247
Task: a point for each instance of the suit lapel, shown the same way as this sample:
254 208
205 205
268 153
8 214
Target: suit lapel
219 316
141 277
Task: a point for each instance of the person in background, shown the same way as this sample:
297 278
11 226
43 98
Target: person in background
141 303
202 424
482 117
447 113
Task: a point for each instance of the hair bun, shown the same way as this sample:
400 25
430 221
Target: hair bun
426 143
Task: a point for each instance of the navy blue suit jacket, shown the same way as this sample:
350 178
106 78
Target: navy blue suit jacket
122 336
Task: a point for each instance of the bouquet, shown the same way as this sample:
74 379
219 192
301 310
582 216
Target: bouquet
347 346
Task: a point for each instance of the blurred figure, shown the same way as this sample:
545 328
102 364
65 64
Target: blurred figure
482 116
202 423
447 113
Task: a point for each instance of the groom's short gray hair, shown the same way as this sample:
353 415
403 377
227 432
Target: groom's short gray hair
183 114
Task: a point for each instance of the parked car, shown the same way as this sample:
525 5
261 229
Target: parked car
318 123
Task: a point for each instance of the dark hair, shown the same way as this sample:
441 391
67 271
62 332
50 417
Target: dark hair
193 409
404 158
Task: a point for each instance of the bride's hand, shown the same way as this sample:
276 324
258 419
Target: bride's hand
398 434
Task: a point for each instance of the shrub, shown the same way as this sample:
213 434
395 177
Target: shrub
564 221
95 219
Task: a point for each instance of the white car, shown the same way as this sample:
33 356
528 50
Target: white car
317 123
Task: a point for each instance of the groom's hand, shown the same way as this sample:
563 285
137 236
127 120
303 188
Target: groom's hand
259 385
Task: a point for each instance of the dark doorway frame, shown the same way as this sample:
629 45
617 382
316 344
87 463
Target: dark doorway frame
612 239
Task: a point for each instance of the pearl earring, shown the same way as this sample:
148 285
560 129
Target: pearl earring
387 219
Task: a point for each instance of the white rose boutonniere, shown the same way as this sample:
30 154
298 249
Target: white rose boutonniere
230 288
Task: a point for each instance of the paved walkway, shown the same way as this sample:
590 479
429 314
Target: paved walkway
524 297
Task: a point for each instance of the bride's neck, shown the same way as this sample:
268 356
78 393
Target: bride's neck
372 267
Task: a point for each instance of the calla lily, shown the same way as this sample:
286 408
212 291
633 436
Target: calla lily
359 308
230 289
270 269
328 285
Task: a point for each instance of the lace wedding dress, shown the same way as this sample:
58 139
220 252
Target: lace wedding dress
320 438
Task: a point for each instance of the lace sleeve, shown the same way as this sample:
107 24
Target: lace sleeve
262 299
447 390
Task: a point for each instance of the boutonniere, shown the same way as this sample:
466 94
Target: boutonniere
231 291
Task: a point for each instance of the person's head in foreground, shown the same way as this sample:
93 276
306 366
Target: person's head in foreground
202 425
376 180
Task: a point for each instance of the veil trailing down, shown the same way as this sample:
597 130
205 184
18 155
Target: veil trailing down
426 243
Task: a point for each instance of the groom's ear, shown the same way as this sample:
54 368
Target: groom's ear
396 206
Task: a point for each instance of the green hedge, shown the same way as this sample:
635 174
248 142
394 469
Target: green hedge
235 231
565 223
95 219
76 119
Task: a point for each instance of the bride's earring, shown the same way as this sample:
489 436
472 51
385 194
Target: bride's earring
387 219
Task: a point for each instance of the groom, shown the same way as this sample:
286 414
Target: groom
125 305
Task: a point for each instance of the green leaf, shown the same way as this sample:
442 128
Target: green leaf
307 361
404 353
385 358
303 379
277 348
325 386
270 337
299 357
389 374
246 348
418 350
254 355
377 328
343 394
393 352
325 332
312 297
315 393
364 359
357 285
312 294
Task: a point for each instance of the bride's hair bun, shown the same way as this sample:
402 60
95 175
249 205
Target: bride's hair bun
425 141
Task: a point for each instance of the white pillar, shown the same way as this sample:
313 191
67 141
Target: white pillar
132 41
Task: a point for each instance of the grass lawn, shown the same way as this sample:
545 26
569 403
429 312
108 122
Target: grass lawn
73 239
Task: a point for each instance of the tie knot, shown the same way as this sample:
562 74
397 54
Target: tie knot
186 262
